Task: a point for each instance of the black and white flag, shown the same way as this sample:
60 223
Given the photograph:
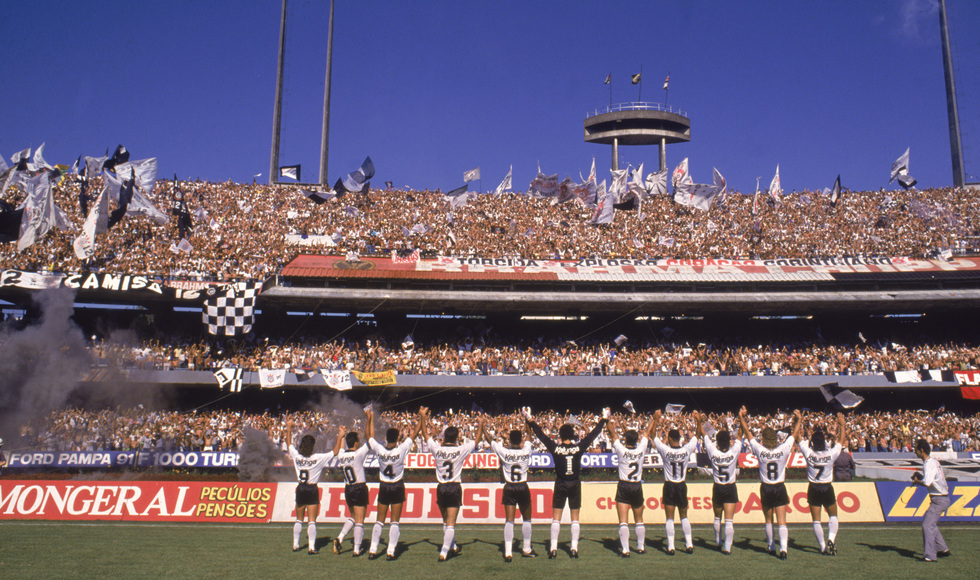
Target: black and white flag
900 171
290 171
840 398
230 310
231 378
356 180
319 197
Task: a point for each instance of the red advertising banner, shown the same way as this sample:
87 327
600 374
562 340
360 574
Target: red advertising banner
137 501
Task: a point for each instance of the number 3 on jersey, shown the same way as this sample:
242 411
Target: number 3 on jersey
448 466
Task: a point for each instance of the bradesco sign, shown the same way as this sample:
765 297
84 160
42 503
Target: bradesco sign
137 501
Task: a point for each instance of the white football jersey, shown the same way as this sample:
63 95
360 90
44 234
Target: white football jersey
351 461
724 464
772 462
675 459
513 462
308 469
631 460
391 461
449 459
819 464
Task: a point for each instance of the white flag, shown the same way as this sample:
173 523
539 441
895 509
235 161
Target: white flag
185 246
471 175
338 380
39 162
681 174
656 183
900 166
40 212
775 186
637 186
506 184
271 378
96 222
673 408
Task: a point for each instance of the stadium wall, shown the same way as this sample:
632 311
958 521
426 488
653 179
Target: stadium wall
274 502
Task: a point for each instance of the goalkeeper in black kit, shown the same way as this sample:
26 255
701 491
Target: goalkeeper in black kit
567 454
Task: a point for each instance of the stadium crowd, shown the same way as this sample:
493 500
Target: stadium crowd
74 429
787 355
240 230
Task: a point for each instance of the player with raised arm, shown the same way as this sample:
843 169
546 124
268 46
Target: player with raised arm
773 457
723 454
351 462
309 466
629 490
449 456
820 491
515 458
391 492
567 454
675 458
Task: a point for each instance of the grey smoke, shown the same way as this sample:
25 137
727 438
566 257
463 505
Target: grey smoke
257 456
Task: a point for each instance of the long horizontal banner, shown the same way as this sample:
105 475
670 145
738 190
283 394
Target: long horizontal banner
225 459
653 269
102 281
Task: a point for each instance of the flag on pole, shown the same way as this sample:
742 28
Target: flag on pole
230 311
900 170
656 183
608 79
358 180
471 175
231 378
635 79
666 82
775 186
290 171
835 192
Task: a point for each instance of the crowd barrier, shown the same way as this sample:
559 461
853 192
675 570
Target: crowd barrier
862 502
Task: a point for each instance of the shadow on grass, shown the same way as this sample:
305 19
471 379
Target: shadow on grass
904 552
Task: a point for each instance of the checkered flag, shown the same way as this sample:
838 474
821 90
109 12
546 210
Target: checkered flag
229 311
231 378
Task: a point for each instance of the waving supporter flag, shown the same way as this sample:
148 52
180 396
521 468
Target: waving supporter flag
605 209
230 378
775 186
903 376
900 171
673 408
840 398
38 161
681 174
543 185
656 183
144 170
471 175
318 197
41 213
119 156
506 184
230 311
291 171
356 180
96 222
835 192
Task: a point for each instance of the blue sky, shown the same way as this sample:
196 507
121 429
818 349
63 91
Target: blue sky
430 89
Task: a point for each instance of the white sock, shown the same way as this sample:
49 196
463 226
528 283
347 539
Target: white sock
297 530
729 534
448 539
508 538
832 528
526 532
717 526
686 528
641 537
783 538
358 537
670 534
769 535
576 530
376 537
555 527
348 526
818 532
311 535
624 538
394 531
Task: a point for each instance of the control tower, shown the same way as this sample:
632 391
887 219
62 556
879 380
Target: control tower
637 124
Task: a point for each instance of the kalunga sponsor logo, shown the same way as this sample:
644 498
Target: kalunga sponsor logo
142 501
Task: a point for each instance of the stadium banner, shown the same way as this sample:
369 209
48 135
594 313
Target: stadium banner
482 503
857 502
137 501
124 459
375 379
903 502
102 281
229 459
481 268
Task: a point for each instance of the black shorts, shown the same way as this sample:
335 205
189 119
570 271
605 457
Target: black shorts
569 490
722 493
773 495
821 494
307 494
391 492
675 494
449 495
518 494
356 494
630 493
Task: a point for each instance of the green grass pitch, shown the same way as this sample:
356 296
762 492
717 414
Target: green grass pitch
31 549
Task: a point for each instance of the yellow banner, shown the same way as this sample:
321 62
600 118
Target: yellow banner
856 502
375 379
